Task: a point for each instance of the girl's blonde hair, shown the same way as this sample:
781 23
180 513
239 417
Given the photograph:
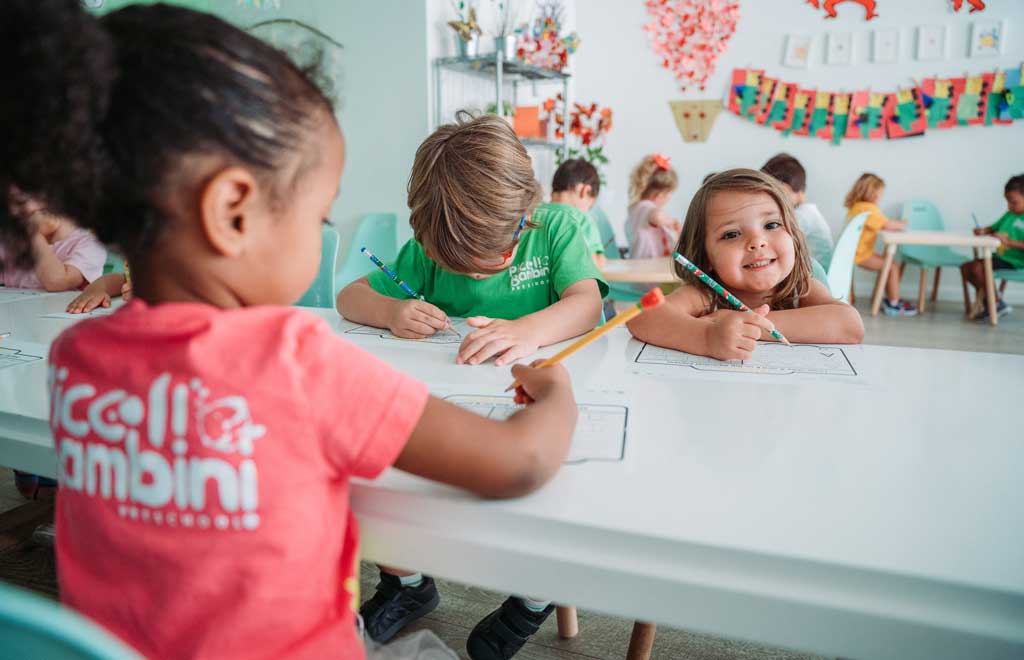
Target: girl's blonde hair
692 240
650 178
864 189
471 184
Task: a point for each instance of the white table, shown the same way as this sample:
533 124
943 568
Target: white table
877 516
655 269
981 244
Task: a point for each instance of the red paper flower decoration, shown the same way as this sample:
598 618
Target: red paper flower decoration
689 35
976 5
830 7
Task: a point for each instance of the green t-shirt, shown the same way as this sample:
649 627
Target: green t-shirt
1011 224
551 257
588 226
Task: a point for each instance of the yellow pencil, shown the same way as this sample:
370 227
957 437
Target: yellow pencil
651 299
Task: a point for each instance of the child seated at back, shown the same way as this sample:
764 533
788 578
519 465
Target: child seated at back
482 249
576 183
741 231
864 197
66 257
214 491
1009 229
651 231
520 273
793 177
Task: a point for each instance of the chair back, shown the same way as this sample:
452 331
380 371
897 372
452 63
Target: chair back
377 233
321 294
604 228
34 627
923 216
840 270
818 271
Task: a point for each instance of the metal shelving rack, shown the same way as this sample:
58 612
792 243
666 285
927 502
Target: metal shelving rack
495 66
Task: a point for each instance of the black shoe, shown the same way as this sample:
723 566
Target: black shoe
394 607
501 634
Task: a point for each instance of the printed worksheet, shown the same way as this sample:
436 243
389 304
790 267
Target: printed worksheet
14 295
454 336
770 358
99 311
600 429
16 354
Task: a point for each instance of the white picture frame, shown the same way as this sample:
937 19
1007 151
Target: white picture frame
931 42
988 38
885 46
798 51
840 49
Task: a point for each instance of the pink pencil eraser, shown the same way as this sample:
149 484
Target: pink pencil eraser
652 298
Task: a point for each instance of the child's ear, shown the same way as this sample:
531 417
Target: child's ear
227 204
585 191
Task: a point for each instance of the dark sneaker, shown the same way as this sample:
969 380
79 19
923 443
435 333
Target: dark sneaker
901 308
45 535
1002 309
33 487
394 607
501 634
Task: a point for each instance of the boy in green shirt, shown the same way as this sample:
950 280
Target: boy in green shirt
576 184
1009 229
520 274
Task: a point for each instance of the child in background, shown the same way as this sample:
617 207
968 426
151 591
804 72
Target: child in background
481 248
741 231
1009 229
100 293
235 421
793 177
650 230
576 183
864 197
66 257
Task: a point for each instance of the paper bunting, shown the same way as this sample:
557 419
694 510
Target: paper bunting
936 103
689 35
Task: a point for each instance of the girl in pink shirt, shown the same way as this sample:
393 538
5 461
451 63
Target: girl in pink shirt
207 432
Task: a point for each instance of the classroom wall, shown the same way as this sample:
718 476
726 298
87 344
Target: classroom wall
383 92
959 169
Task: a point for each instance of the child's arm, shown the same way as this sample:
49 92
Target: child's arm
1005 239
520 454
599 260
658 218
681 324
577 311
411 318
54 274
895 225
98 293
820 318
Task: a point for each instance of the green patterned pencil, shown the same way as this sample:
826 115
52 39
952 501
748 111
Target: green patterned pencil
720 290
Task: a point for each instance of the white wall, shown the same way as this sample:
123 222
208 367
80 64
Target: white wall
960 169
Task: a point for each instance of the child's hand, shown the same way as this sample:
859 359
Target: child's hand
416 319
980 231
536 384
88 301
510 340
733 335
1003 237
126 291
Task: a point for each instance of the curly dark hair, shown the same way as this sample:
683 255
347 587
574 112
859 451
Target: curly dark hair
106 108
1015 184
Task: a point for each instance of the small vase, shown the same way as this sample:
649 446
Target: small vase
506 44
469 48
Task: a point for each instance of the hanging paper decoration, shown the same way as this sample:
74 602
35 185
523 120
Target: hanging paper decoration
689 35
830 7
976 5
694 119
937 103
260 4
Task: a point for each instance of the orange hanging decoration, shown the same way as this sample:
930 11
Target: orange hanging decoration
976 5
830 7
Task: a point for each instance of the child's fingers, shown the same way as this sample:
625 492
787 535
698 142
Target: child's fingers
514 353
491 346
432 312
430 320
521 397
421 328
479 321
758 321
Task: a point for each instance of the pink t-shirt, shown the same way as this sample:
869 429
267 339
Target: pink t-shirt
80 249
205 458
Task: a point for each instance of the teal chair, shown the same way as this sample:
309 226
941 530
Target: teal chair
616 290
113 264
34 627
377 233
818 271
321 294
924 216
840 270
1008 275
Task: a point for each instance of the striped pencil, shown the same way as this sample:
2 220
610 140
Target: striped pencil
390 273
720 290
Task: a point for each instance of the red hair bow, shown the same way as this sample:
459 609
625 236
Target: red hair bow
661 161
